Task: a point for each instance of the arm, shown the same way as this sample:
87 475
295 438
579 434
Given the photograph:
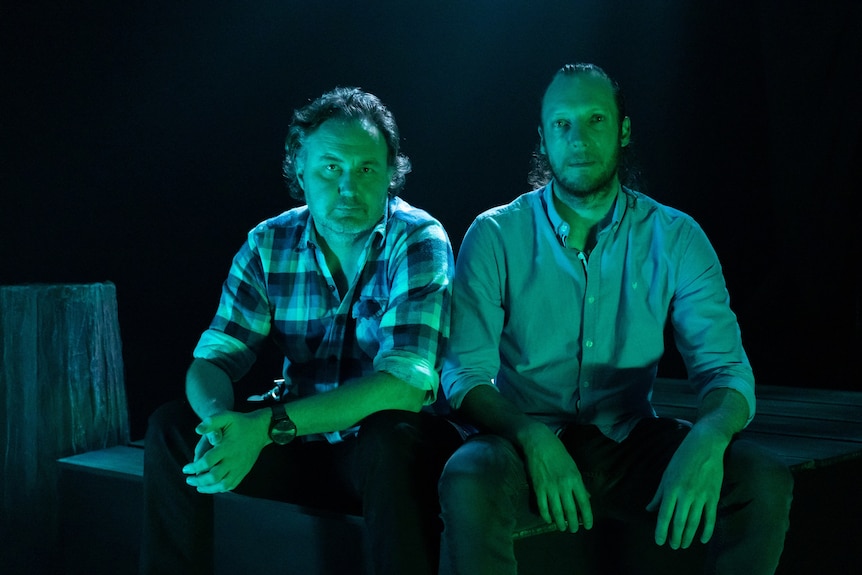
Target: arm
560 492
709 340
231 441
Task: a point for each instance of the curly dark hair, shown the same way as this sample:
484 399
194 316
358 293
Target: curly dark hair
343 103
540 168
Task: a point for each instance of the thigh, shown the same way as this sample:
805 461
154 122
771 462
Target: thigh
623 477
302 472
394 446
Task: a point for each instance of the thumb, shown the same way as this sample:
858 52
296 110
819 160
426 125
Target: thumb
212 428
656 500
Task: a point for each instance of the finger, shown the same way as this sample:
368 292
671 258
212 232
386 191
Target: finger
665 513
652 506
214 437
582 497
196 467
570 510
708 523
557 513
542 502
691 525
202 447
679 523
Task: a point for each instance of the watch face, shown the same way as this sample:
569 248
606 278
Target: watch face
283 431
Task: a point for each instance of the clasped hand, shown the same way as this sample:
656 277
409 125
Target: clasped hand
229 447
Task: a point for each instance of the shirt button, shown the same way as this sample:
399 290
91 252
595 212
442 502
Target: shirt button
591 299
588 343
585 384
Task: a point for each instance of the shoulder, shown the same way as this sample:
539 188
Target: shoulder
404 219
286 228
642 209
524 207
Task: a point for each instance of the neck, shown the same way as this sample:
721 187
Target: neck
583 213
342 253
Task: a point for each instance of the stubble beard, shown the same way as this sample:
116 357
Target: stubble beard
597 186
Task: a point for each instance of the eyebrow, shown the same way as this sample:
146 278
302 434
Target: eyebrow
333 157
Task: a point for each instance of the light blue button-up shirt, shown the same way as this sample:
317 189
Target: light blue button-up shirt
575 339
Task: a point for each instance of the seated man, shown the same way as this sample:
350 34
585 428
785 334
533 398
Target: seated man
354 289
560 300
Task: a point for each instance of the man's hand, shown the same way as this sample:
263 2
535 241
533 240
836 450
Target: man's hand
689 490
560 492
227 450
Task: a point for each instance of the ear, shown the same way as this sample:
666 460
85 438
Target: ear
625 132
541 140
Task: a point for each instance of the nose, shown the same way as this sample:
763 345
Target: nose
576 135
347 183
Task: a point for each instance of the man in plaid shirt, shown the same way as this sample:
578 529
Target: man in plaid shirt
353 288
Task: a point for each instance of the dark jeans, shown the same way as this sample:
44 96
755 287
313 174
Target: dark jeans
485 497
388 472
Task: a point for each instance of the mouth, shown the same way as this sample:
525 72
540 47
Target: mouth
349 210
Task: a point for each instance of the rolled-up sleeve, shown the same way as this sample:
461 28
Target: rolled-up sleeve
415 324
242 321
705 328
473 356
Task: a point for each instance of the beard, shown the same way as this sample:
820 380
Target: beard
588 185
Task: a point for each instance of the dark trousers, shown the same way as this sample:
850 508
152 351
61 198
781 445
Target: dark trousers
388 473
486 498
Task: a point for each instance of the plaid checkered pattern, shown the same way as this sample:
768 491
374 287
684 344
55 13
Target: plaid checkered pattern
394 318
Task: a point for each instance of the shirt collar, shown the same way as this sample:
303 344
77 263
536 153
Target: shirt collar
561 228
309 237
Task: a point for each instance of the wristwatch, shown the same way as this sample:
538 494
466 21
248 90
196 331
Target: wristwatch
281 429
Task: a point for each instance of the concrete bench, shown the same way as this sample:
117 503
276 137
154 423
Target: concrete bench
817 432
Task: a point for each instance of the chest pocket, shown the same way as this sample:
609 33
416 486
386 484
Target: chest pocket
367 314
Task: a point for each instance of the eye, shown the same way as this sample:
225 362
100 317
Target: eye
598 118
559 124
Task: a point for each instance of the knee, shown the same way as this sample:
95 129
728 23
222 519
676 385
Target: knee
765 478
170 435
482 468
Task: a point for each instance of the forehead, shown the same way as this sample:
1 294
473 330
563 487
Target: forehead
569 92
347 137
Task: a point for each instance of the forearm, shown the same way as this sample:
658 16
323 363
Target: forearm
723 412
209 390
485 406
353 401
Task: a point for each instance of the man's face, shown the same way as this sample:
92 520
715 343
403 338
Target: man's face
344 173
581 134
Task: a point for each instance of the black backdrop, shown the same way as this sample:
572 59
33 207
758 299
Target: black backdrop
141 142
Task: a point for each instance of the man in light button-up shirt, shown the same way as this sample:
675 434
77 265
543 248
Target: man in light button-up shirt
560 303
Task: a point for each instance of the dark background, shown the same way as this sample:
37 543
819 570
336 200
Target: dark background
142 141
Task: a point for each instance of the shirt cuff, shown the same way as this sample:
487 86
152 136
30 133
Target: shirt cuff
226 352
413 370
736 384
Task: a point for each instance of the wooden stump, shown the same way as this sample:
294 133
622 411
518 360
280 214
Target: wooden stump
61 392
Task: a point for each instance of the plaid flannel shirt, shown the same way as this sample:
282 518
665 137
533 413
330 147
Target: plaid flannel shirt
394 318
